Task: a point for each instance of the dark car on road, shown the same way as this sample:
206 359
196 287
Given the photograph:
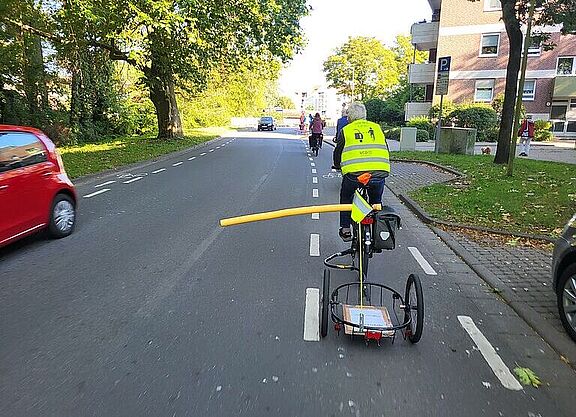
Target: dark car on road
564 276
266 123
35 192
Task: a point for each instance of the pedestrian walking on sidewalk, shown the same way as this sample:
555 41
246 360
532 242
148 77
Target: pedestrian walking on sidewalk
526 134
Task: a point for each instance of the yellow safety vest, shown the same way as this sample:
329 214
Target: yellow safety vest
365 148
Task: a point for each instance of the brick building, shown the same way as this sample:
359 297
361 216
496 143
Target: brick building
473 34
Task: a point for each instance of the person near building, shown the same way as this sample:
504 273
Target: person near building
360 147
526 134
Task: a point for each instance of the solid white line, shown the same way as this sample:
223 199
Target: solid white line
202 154
315 192
311 313
177 164
312 164
314 180
313 170
192 158
314 244
133 180
158 170
103 190
104 183
423 262
496 363
315 216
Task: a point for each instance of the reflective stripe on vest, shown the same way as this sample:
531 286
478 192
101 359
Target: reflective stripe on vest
365 148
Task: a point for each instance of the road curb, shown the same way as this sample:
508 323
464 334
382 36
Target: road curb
558 341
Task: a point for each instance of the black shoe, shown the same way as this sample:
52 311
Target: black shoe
345 235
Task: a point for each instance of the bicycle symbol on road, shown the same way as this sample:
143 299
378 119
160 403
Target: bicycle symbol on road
331 175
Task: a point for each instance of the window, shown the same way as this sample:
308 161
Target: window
484 90
573 104
565 66
535 48
18 150
491 5
489 44
529 91
558 112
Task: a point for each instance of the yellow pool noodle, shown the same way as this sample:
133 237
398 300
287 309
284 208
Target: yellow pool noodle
295 211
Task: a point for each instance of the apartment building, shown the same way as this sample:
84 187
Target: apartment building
473 34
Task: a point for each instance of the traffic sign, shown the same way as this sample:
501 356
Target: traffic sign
443 77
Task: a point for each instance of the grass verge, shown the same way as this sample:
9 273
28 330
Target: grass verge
94 157
539 198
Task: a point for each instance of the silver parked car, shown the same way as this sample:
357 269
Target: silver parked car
564 276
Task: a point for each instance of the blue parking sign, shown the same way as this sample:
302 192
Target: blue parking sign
444 64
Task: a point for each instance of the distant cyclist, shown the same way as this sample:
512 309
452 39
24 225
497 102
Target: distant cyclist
360 147
316 130
343 121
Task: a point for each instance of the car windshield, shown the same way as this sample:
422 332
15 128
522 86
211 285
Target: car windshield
266 120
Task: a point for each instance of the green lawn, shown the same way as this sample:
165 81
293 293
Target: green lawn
113 153
540 198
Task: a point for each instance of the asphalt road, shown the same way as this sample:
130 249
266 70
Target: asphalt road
151 309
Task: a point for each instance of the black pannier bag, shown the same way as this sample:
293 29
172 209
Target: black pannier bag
386 222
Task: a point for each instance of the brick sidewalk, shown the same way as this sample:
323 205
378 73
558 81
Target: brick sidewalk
525 270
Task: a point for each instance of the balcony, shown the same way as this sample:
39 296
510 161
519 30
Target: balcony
565 86
421 73
425 35
414 109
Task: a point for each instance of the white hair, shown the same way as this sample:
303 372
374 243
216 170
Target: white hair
356 111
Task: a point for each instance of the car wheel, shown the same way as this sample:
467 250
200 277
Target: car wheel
62 216
566 292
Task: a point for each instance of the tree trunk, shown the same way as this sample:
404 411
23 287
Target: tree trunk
34 80
514 59
161 84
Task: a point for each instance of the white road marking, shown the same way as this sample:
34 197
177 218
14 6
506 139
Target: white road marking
217 147
133 180
314 180
315 192
192 158
158 170
496 363
312 164
211 150
202 154
103 190
314 244
423 262
313 170
177 164
315 216
311 159
311 313
104 183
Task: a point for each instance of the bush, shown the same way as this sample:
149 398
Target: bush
422 135
491 135
542 130
392 134
447 108
478 116
373 109
422 123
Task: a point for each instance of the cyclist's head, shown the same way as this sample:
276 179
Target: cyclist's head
317 115
356 111
344 112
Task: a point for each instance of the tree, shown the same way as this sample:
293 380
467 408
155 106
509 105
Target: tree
177 42
514 14
362 68
285 102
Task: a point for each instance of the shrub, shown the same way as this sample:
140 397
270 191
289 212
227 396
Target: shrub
491 135
422 136
542 130
373 109
392 134
447 108
478 116
422 123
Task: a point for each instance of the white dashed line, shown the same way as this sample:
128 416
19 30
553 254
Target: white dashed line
103 190
158 170
313 170
211 150
314 180
315 216
192 158
315 192
314 244
217 147
311 159
202 154
177 164
104 183
487 350
133 180
311 312
423 262
312 164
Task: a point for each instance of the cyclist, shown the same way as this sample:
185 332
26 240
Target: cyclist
360 147
316 127
343 121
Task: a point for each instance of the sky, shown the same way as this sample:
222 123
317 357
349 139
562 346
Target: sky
331 22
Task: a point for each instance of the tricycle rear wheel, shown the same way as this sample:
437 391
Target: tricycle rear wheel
414 308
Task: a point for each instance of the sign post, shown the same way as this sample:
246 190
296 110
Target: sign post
442 81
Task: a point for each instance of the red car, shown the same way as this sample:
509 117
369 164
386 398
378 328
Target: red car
35 192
